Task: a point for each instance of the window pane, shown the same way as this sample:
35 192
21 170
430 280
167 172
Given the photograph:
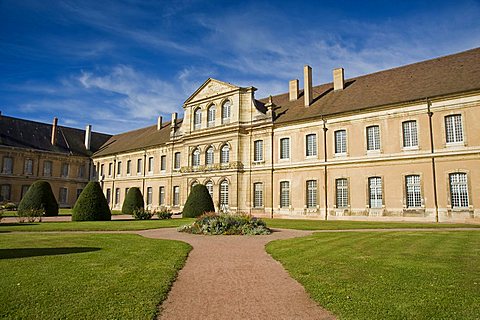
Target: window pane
410 138
196 158
7 165
163 163
258 195
453 128
375 187
373 138
197 118
459 190
161 192
311 141
225 154
211 116
209 158
258 150
176 195
311 193
284 148
284 194
414 197
209 186
342 192
226 111
177 160
224 194
340 141
149 195
117 195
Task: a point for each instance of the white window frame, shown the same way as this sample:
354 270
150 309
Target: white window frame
258 195
311 146
7 165
117 196
225 154
177 160
28 167
224 194
196 157
211 112
454 134
258 151
413 191
176 196
197 119
458 183
284 154
284 194
374 143
375 192
210 156
161 195
311 193
209 186
119 169
163 163
226 111
410 134
151 165
340 142
341 193
149 196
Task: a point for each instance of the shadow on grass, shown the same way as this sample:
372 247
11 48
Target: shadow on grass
37 252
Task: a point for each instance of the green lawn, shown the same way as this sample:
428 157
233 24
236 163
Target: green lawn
61 212
388 275
114 225
95 276
344 225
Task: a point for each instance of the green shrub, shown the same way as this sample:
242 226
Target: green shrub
164 213
39 197
133 200
198 202
30 215
141 214
91 205
8 206
227 224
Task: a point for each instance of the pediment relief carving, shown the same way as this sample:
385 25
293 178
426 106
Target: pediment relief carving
211 88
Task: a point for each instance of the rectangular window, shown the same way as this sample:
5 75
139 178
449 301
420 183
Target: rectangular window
79 191
119 168
81 171
459 190
110 169
47 168
7 166
28 168
285 148
117 196
129 165
284 194
341 141
311 145
24 190
149 196
62 198
139 166
176 196
453 128
258 150
65 168
102 167
341 191
150 164
373 138
375 188
410 138
5 190
161 197
109 195
258 195
311 193
177 160
414 196
163 163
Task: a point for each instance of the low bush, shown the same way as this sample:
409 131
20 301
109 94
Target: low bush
164 213
198 202
39 197
226 224
8 206
141 214
133 200
30 215
91 205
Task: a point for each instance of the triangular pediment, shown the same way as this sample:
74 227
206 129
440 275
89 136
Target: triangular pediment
210 88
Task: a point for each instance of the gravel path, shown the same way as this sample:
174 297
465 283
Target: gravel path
232 277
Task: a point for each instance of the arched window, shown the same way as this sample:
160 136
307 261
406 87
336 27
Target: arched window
197 118
209 156
196 157
194 183
211 116
225 154
224 195
226 111
209 186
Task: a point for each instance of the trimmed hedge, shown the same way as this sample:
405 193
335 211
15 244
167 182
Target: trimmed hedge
91 205
133 201
198 202
39 197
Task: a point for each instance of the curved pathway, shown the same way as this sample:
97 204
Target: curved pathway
232 277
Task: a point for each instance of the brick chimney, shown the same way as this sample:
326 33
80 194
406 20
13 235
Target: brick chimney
338 79
173 124
54 131
307 83
159 122
293 89
88 136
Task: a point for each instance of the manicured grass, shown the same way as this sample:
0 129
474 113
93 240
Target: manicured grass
114 225
345 225
95 276
61 212
388 275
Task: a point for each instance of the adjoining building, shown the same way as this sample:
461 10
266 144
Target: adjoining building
31 151
398 144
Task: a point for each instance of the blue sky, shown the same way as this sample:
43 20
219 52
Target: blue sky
119 64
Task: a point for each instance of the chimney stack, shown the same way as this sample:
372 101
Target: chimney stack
173 124
307 85
88 136
293 89
159 122
54 131
338 79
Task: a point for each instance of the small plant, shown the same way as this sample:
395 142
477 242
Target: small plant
8 206
141 214
30 215
164 213
133 200
226 224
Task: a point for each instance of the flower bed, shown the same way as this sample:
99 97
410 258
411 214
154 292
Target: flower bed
227 224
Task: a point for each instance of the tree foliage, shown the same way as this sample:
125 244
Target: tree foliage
91 205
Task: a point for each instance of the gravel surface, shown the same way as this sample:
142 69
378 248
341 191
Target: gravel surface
232 277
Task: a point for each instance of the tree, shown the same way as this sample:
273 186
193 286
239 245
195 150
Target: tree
91 205
133 201
198 202
39 197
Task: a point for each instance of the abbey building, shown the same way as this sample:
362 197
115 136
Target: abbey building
400 144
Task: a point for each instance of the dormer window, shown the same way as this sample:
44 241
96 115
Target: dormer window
226 111
197 119
211 116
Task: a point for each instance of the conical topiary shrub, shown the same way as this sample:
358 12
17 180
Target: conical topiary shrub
39 197
91 205
198 202
133 201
